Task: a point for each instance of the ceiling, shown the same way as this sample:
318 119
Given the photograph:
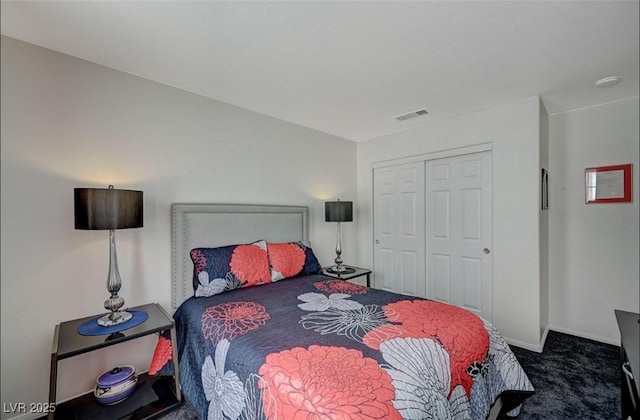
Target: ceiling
348 67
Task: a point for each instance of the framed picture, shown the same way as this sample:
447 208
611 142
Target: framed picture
544 192
609 184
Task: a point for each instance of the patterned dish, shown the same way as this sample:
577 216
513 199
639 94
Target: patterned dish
115 385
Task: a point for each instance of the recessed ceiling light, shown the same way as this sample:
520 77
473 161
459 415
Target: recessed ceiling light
607 81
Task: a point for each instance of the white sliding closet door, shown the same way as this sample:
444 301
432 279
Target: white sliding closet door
459 232
399 230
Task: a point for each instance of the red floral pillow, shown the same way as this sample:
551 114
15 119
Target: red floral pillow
291 259
218 270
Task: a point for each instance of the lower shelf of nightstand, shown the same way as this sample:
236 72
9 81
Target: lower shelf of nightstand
86 407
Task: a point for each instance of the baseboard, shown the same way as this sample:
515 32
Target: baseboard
545 333
540 347
527 346
581 334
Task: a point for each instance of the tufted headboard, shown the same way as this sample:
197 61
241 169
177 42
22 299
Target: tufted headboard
213 225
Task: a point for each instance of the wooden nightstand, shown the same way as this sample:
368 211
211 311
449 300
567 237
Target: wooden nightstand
348 276
68 343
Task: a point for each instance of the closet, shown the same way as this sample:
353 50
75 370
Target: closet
433 227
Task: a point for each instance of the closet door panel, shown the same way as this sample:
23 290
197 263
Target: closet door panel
459 230
399 228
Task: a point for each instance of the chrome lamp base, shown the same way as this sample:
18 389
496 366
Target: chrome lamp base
115 318
341 269
114 302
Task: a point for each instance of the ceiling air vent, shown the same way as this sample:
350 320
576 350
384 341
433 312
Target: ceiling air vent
410 115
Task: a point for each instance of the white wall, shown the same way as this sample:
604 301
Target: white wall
68 123
544 226
593 259
514 132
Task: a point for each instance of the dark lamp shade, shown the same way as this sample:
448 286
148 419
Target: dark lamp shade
107 209
338 211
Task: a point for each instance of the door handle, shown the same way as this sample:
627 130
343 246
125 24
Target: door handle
486 251
377 242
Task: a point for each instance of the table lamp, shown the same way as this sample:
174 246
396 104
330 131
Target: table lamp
109 209
339 211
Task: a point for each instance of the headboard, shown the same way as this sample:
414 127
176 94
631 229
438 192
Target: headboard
213 225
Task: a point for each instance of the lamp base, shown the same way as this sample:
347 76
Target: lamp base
341 269
114 318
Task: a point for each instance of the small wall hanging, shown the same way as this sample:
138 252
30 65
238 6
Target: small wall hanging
609 184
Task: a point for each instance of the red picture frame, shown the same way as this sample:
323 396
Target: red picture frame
609 184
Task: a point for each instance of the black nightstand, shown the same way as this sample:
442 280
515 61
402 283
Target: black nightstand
629 325
68 343
348 276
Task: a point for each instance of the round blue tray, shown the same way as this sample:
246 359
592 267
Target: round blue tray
91 327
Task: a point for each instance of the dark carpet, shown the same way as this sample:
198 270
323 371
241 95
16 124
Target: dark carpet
575 378
184 412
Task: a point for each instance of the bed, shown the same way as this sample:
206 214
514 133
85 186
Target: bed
263 334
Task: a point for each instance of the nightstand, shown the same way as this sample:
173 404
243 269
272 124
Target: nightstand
348 276
629 324
68 343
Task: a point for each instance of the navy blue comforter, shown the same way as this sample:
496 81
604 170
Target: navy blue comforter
314 347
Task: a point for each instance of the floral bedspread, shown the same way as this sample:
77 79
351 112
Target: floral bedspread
314 347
